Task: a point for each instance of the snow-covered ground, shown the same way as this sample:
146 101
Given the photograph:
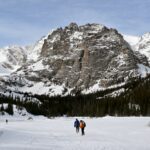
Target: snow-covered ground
107 133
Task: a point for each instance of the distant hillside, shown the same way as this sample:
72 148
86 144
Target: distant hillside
127 100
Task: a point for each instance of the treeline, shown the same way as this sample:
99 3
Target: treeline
30 105
135 100
8 109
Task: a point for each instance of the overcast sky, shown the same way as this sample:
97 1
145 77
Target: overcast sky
23 22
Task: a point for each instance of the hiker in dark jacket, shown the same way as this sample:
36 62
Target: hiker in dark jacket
82 126
77 125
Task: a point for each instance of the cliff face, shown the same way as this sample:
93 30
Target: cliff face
82 56
79 57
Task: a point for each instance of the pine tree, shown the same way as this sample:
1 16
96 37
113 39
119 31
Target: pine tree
10 109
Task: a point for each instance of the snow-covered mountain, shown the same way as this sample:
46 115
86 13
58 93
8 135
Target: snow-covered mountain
140 44
143 46
75 58
11 58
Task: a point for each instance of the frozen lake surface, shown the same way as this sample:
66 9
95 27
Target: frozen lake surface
106 133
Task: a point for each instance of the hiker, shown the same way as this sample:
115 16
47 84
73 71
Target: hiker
6 121
76 125
82 126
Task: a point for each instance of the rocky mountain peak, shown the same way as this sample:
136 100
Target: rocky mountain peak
77 58
73 26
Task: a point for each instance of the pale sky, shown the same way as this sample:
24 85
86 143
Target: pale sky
23 22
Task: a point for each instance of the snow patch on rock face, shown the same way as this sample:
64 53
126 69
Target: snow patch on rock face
36 88
115 93
56 90
42 88
54 38
37 66
4 71
76 35
96 87
35 50
121 59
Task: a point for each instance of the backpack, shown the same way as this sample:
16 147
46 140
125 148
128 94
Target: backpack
82 124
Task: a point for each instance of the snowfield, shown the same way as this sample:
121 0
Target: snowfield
107 133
